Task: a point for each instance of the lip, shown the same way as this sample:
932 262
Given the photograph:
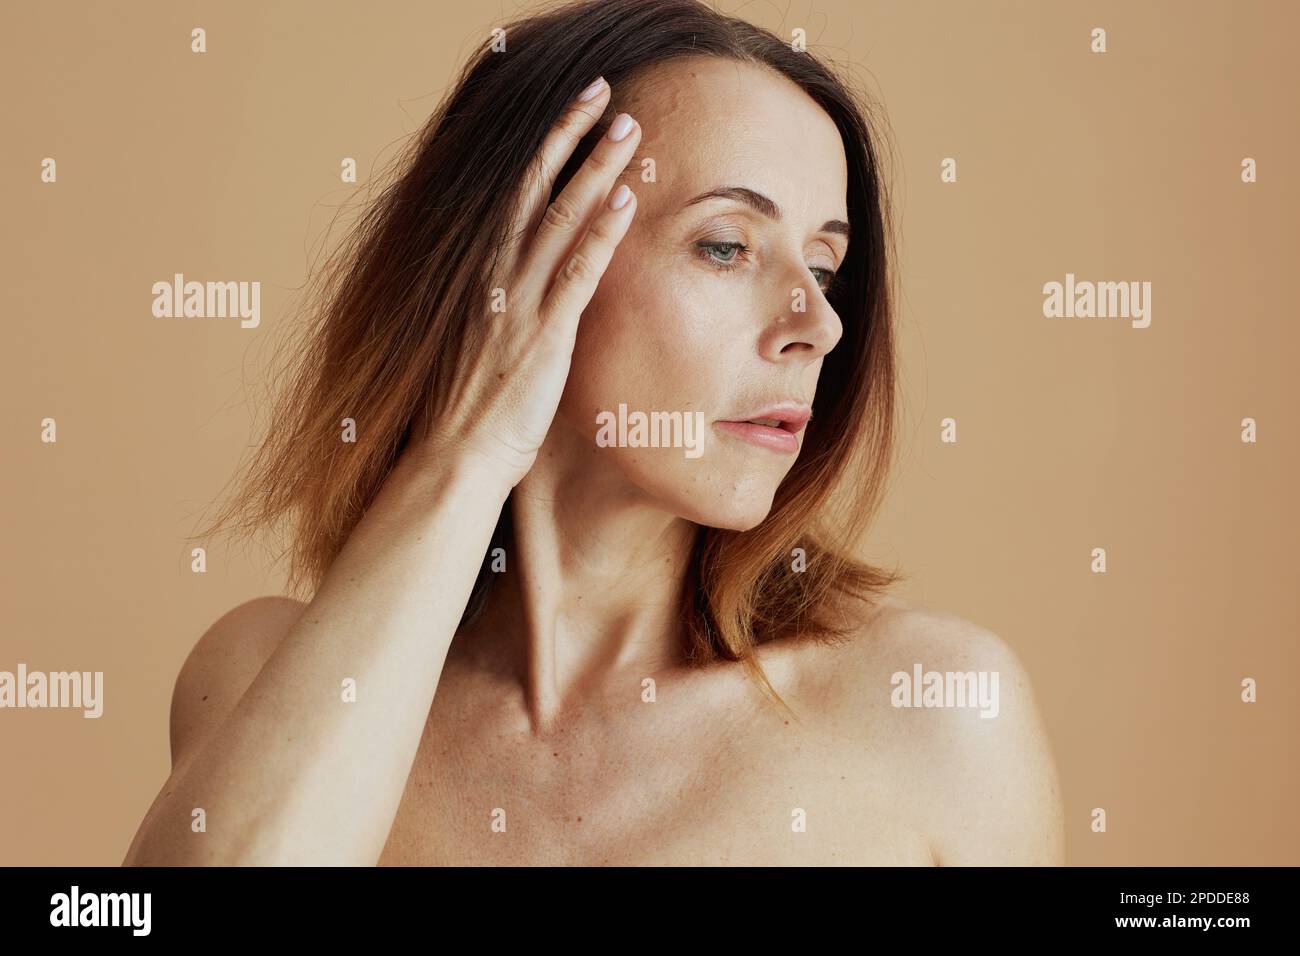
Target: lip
791 416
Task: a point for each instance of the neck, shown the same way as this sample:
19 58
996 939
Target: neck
593 590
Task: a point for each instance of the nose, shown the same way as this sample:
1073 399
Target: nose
803 326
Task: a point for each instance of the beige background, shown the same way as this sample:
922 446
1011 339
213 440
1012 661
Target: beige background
1073 433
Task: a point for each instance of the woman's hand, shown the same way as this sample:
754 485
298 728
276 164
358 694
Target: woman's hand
274 759
501 408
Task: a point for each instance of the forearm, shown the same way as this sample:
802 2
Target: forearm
297 773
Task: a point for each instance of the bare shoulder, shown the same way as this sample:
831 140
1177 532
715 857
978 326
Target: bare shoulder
222 664
953 706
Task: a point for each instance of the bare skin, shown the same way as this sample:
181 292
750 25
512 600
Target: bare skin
540 746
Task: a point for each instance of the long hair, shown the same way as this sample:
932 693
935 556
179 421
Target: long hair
393 319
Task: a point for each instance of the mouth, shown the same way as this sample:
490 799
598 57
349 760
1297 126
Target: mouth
775 427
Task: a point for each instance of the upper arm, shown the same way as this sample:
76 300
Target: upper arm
998 797
221 666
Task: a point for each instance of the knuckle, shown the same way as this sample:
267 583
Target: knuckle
602 230
560 215
578 268
599 161
571 121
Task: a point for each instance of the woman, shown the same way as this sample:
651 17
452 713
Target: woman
596 408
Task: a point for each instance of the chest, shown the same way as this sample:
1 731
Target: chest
647 788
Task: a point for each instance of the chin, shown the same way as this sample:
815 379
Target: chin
736 498
738 522
729 511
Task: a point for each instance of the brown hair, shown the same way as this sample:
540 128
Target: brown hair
392 323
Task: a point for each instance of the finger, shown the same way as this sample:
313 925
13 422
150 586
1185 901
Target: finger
567 217
539 179
577 279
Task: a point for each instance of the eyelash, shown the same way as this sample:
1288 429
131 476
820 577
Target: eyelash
742 253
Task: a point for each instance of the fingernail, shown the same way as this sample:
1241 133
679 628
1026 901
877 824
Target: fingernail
621 126
590 92
619 199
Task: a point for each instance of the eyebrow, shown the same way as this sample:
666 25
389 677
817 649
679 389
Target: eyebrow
761 204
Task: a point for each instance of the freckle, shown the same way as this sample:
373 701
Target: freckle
579 819
205 696
555 754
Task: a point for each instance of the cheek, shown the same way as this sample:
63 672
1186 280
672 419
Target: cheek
653 338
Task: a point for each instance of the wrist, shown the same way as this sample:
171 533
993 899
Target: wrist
481 474
456 468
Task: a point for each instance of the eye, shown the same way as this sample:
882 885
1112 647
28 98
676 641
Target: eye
723 255
727 255
825 279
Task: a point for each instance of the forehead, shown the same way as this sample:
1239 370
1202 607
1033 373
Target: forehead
708 121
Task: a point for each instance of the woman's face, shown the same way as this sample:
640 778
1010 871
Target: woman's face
713 306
